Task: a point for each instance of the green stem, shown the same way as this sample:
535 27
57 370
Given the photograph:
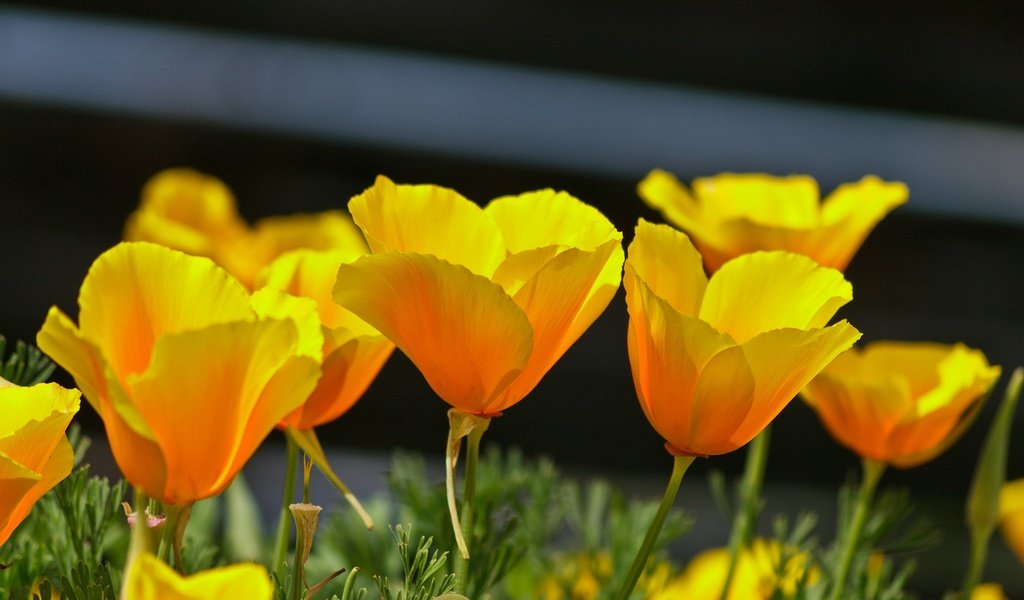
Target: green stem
284 523
299 567
141 538
851 536
749 505
979 552
679 467
468 505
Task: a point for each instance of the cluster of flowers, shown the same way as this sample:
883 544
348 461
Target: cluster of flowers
201 334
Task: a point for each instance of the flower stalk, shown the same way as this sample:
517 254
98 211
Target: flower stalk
749 505
468 504
851 536
284 523
679 467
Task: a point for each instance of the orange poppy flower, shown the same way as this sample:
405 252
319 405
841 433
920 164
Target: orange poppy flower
728 215
34 453
196 213
901 403
483 301
715 360
180 363
353 352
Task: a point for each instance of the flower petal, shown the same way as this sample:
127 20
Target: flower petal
34 421
669 264
562 300
1011 516
763 291
393 217
204 396
150 579
57 466
276 304
467 337
546 217
722 399
667 352
790 202
666 194
850 213
137 292
783 362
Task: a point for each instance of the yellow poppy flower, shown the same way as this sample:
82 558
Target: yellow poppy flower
196 213
483 301
728 215
901 403
1011 516
186 374
353 352
150 579
988 591
34 453
755 577
715 360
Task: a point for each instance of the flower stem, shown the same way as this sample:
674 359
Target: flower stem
284 523
979 552
851 536
679 467
468 504
749 505
142 539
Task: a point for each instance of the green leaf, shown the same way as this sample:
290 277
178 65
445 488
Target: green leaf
243 526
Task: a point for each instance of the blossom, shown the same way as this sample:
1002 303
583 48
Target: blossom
34 452
353 352
183 366
901 403
732 214
988 591
755 577
483 301
150 579
1011 516
197 214
715 360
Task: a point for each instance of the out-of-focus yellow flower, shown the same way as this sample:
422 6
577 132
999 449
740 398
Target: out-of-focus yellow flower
353 352
180 363
1011 516
901 403
34 452
196 213
988 591
728 215
583 576
483 301
714 361
755 578
150 579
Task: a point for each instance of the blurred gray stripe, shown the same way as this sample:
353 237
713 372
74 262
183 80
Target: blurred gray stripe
459 107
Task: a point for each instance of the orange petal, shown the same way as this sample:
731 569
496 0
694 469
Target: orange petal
392 217
763 291
667 352
783 362
204 398
722 400
669 264
561 300
468 338
57 466
136 292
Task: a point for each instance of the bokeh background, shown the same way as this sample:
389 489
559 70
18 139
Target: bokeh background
297 108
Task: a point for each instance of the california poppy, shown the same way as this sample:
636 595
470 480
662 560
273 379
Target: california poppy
150 579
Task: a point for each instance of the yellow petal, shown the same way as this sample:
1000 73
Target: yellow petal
60 339
664 193
150 579
393 217
275 304
347 371
136 292
850 213
783 362
210 398
34 421
667 352
57 466
312 274
790 202
561 300
467 337
763 291
545 218
187 210
669 264
1011 516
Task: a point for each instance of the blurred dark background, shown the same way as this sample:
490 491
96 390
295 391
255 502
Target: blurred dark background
298 110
